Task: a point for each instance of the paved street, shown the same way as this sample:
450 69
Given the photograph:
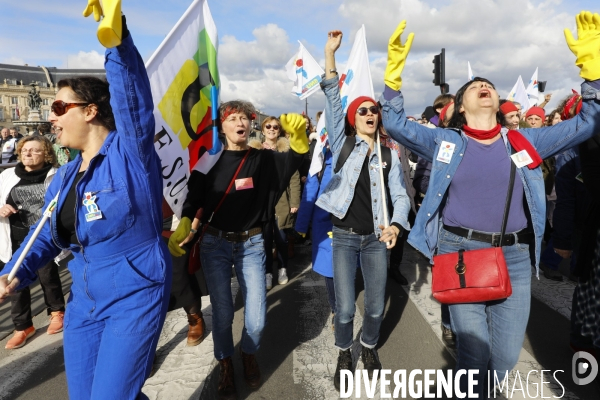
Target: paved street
297 356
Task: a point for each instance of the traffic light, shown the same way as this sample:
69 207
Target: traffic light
439 71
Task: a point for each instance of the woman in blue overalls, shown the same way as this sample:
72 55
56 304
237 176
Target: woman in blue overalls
109 216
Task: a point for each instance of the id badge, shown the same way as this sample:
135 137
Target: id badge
244 183
446 151
521 159
93 212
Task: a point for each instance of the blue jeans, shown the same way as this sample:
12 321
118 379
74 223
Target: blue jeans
489 335
248 258
373 260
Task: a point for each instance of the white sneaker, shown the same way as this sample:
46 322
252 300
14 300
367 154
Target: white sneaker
269 278
282 279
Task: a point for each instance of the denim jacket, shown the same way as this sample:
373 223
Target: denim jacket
339 192
425 142
124 176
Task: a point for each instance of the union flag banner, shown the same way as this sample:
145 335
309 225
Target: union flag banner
184 79
305 72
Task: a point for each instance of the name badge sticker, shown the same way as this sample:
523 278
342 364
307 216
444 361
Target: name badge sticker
446 151
93 212
244 183
521 159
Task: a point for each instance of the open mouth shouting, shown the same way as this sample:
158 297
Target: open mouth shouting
485 93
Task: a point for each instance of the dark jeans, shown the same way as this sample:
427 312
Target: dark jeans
272 233
330 293
20 311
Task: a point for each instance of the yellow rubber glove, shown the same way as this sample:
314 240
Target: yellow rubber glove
295 125
587 46
397 53
95 7
182 231
110 30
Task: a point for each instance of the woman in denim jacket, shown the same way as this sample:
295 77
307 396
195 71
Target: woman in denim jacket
109 216
465 201
353 197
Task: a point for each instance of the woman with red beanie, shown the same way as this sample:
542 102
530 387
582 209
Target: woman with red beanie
354 198
511 114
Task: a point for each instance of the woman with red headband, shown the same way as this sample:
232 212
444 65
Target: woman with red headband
238 197
468 188
354 198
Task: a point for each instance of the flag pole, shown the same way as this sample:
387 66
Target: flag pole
47 214
382 185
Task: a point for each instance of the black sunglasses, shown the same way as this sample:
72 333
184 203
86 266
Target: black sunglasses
362 111
59 107
269 126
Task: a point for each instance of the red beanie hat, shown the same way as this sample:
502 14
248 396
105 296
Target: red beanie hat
354 106
508 107
536 111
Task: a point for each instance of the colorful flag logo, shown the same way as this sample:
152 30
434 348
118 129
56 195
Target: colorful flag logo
185 85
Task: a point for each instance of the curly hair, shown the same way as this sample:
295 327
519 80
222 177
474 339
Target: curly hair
49 154
92 90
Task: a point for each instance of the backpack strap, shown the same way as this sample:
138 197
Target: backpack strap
386 156
347 148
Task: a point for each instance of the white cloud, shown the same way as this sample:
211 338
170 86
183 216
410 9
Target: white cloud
88 60
502 40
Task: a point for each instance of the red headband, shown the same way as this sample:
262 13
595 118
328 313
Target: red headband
232 110
444 111
575 99
354 106
536 111
508 107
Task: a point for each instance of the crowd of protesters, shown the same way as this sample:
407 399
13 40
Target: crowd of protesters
383 175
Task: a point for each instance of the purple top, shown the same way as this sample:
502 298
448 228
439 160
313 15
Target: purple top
478 190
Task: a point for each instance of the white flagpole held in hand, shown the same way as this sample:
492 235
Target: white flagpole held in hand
383 195
47 214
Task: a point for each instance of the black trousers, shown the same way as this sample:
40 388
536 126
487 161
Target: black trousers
272 233
186 289
20 302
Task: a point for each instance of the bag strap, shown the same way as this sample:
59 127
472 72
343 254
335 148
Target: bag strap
511 185
228 189
345 153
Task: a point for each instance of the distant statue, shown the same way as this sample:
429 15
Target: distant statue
35 100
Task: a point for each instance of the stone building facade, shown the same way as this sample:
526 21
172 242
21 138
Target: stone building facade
15 83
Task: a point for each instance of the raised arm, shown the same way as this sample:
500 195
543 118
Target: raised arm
334 112
131 97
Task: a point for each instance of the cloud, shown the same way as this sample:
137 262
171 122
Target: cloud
247 60
502 40
86 60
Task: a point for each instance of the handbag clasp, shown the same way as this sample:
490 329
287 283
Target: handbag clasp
461 267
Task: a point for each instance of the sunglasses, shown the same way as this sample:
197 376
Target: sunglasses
59 107
269 126
362 111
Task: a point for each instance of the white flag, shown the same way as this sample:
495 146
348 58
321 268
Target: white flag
355 82
519 94
305 72
533 92
471 75
184 79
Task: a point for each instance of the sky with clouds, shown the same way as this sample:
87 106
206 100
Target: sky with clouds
502 39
